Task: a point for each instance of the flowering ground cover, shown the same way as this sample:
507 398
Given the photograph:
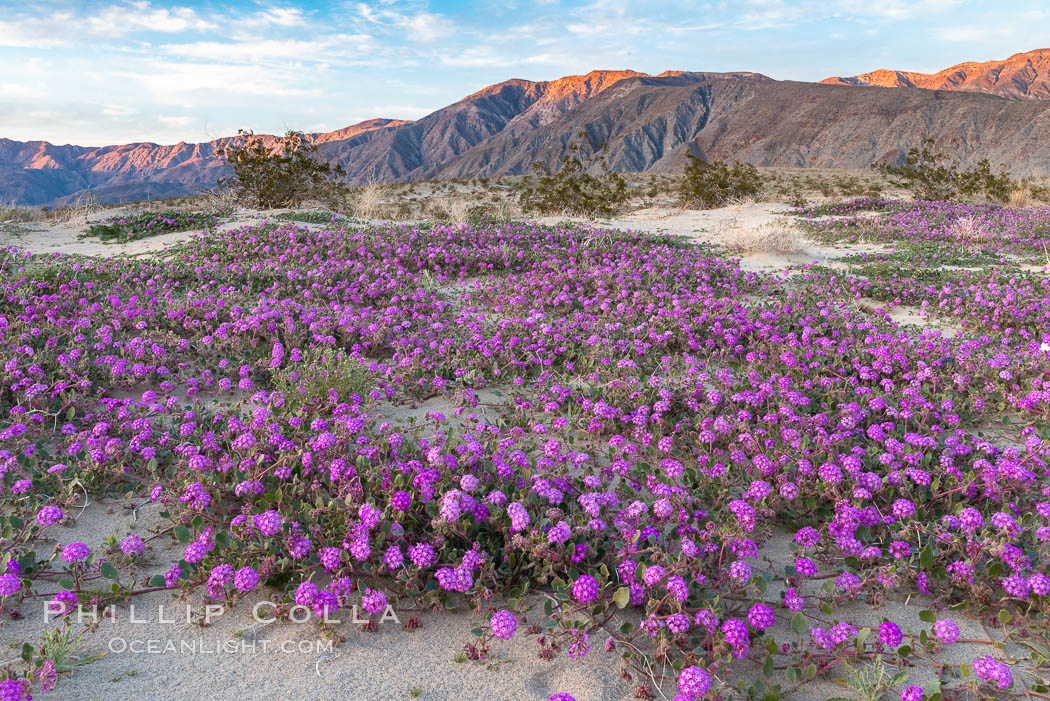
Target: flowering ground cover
139 226
701 469
313 217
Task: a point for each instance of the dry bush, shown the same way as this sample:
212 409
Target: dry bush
220 199
1020 197
368 202
741 202
780 236
15 213
456 209
503 209
83 206
969 230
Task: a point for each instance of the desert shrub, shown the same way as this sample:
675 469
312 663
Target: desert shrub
282 175
140 226
15 213
971 231
321 372
851 186
707 184
1038 192
930 175
825 188
779 236
452 208
793 195
367 200
1020 197
851 207
572 189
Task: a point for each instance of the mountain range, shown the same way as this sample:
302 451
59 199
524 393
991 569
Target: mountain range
998 110
1021 77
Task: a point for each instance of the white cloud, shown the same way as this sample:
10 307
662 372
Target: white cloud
36 32
259 50
279 16
117 110
118 20
176 122
607 18
486 57
421 27
896 9
17 91
966 34
171 82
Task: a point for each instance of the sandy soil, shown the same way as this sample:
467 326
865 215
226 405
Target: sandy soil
721 226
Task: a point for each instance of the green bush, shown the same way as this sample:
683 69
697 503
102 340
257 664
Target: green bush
930 175
308 384
708 184
572 189
284 175
851 186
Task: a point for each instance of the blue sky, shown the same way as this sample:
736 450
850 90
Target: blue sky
114 71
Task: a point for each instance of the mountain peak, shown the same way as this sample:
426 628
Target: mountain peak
1023 76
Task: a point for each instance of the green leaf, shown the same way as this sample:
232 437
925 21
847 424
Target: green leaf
108 571
622 597
66 583
156 580
798 623
926 557
1004 616
182 534
928 616
767 667
811 671
27 652
16 522
477 631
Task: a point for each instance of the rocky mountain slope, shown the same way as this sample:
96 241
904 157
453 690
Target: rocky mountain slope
648 123
1024 76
